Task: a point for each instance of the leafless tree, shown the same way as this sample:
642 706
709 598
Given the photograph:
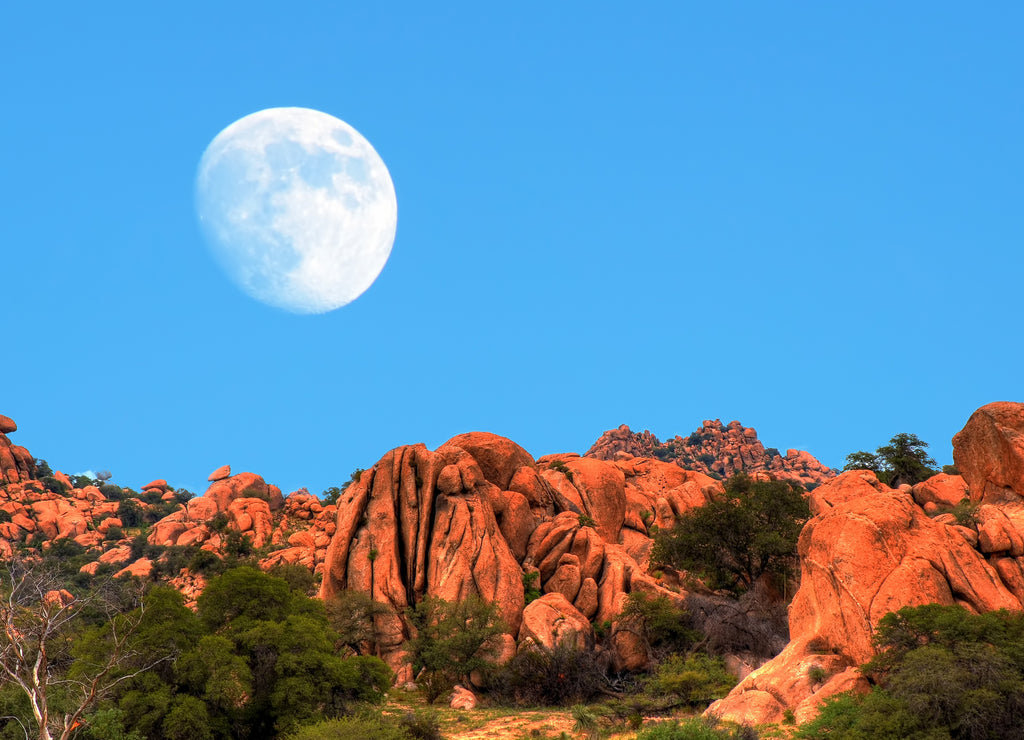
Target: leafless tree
40 621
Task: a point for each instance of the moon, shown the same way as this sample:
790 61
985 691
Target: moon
297 207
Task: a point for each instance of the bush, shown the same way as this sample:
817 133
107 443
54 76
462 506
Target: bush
541 676
421 724
531 589
130 513
112 492
693 681
114 532
53 485
205 562
5 516
351 728
732 541
351 615
903 460
665 627
449 640
698 728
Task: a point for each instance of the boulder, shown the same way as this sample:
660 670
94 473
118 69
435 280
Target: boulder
989 452
7 425
462 698
244 485
224 471
499 458
942 490
551 620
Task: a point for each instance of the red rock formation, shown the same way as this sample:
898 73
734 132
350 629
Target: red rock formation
871 550
714 449
989 452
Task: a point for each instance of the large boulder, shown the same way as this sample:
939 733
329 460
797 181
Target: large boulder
244 485
551 620
499 458
989 452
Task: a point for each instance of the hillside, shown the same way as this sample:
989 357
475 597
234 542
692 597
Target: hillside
562 542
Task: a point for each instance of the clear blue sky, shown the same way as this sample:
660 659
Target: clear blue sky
805 216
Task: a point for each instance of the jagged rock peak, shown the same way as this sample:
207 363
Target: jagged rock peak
715 449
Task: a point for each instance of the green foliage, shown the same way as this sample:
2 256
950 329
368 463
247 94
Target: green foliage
42 469
51 484
351 728
112 492
5 516
817 674
585 520
531 585
330 496
903 460
694 681
256 492
130 513
562 468
450 637
114 532
665 626
299 578
698 728
941 672
256 660
421 724
81 481
351 615
540 676
732 541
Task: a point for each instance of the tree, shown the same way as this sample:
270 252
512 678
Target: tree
903 460
63 666
450 640
732 541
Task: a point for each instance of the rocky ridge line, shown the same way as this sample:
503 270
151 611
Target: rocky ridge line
715 449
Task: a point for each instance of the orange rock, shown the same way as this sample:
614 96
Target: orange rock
847 486
551 620
252 514
7 425
244 485
158 485
141 568
116 555
498 457
941 490
462 698
224 471
989 452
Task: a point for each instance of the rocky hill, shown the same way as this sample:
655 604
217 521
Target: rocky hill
717 450
480 515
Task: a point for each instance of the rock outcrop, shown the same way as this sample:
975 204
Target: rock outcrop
480 516
989 452
716 449
871 550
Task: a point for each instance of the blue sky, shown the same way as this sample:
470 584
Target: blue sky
804 216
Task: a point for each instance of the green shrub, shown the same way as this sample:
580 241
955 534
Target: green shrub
531 589
817 674
693 681
53 485
540 676
421 724
561 467
351 728
112 492
449 640
5 516
114 532
130 513
663 625
698 728
256 492
585 520
205 562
